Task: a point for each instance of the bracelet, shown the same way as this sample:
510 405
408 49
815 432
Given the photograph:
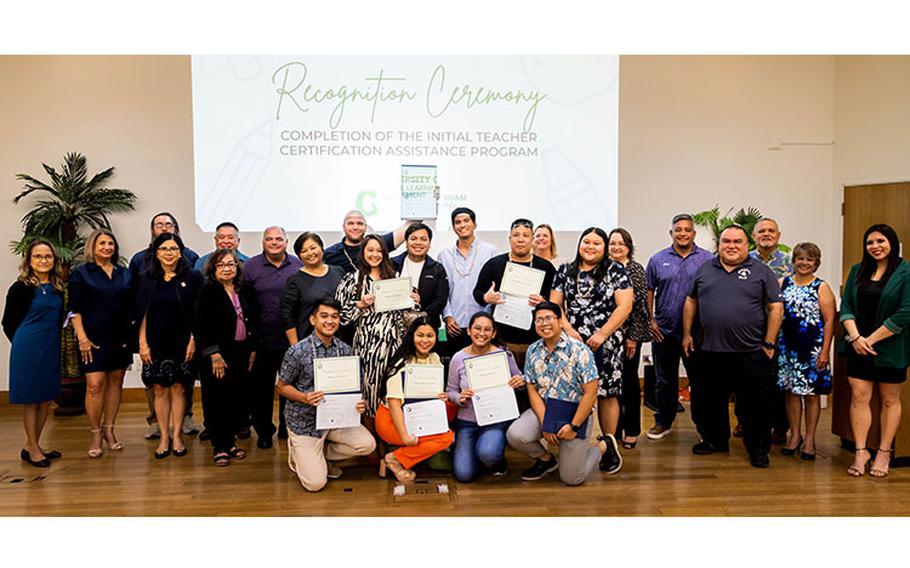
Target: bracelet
851 339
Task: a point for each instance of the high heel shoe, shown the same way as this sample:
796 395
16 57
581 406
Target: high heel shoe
854 471
116 446
398 470
876 472
785 451
96 453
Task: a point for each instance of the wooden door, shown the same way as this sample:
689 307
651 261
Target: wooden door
865 205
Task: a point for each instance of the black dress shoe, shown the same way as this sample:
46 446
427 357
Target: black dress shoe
760 460
282 433
53 455
264 443
205 435
705 448
28 459
244 433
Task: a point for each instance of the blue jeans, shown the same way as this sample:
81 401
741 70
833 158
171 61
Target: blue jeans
477 447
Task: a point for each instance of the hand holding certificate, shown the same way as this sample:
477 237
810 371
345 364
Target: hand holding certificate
426 418
338 411
514 311
494 405
392 294
423 381
336 374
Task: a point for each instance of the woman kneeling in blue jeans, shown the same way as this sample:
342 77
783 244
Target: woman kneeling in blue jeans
478 447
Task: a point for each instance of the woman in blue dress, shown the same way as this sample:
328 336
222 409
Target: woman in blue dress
99 299
804 347
31 320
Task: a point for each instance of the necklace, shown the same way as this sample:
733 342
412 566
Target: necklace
589 292
456 255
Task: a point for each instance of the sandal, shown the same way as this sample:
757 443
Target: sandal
854 471
221 459
626 445
876 472
237 453
401 474
96 453
116 446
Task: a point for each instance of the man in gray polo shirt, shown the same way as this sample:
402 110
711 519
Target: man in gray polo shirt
737 300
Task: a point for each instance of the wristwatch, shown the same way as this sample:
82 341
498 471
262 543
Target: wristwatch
768 345
575 428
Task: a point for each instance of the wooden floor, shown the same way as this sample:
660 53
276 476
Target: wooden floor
657 479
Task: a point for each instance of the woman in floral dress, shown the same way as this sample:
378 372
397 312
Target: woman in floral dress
804 345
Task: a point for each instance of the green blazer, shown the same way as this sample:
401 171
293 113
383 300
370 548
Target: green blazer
893 312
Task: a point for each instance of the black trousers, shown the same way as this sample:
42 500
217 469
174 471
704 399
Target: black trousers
667 354
261 391
222 399
630 401
749 377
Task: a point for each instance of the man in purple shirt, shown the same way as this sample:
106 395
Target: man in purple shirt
265 274
670 274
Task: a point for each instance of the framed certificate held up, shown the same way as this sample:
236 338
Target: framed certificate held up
486 371
419 192
423 381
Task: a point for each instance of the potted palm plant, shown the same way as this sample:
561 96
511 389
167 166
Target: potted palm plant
70 202
716 223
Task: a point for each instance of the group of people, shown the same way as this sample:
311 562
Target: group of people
757 326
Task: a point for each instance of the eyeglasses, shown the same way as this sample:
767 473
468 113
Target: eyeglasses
167 225
226 265
545 319
168 249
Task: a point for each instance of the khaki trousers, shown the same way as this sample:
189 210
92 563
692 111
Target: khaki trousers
307 455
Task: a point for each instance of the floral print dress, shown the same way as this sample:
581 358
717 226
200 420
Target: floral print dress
589 302
802 334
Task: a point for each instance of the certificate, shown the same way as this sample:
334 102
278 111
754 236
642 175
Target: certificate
426 418
338 411
419 193
514 311
392 294
488 371
423 381
493 405
520 280
336 374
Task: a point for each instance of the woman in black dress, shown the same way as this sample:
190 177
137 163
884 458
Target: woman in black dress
99 299
163 309
875 311
302 291
225 321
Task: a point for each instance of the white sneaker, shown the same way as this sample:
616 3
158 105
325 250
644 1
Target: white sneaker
188 427
154 433
657 432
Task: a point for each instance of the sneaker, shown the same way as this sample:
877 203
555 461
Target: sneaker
333 471
704 448
611 460
500 469
657 432
188 427
154 433
539 470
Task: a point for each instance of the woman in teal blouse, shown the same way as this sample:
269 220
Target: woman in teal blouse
875 311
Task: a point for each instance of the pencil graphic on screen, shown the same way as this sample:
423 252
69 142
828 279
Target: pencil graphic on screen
571 194
239 178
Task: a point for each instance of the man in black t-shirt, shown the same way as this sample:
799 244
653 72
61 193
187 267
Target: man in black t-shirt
738 303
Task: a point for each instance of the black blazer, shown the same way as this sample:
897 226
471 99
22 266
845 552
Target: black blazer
216 319
188 284
433 287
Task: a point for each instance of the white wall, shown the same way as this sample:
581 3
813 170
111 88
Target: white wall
694 131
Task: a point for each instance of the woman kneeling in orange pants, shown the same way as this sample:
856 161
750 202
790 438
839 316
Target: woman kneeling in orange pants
415 350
